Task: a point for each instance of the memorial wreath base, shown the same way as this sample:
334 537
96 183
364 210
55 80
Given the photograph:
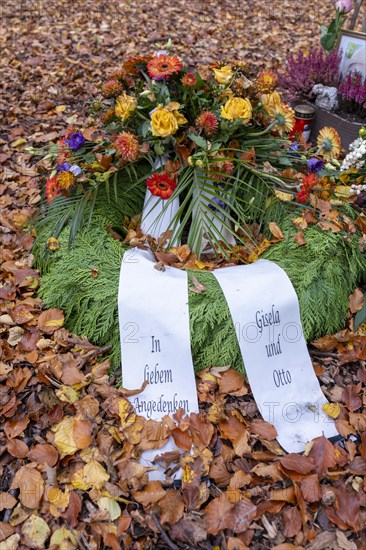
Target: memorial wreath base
83 281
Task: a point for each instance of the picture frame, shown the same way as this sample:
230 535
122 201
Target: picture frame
353 47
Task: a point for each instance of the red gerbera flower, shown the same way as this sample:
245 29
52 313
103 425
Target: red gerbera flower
163 66
306 186
52 189
161 185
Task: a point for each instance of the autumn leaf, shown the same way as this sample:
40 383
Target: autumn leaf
297 463
31 485
276 231
72 434
7 501
35 532
263 429
351 398
171 507
151 493
299 238
44 454
92 475
50 320
323 454
310 488
356 300
292 522
333 410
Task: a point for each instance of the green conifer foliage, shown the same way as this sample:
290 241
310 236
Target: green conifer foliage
83 281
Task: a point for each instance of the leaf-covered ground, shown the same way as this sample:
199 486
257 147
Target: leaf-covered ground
68 439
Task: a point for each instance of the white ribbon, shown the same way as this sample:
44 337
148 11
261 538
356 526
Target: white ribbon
155 341
265 311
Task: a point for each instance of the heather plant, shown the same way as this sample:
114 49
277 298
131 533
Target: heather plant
352 94
303 71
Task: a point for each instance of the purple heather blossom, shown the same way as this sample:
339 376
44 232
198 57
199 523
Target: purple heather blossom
315 165
344 6
303 71
75 169
352 94
64 167
76 140
217 202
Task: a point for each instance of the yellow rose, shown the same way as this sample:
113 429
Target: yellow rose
173 107
163 122
125 105
269 100
181 119
223 75
237 107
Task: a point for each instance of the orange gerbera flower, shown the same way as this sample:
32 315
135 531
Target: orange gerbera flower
161 185
131 65
163 66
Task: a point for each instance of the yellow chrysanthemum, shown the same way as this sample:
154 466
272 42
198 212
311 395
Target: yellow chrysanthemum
266 82
284 117
125 105
65 180
329 142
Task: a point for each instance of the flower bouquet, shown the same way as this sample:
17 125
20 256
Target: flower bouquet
205 156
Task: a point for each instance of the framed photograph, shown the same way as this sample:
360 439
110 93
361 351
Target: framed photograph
353 47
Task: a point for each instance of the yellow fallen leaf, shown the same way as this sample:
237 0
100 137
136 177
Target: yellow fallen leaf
332 409
11 543
18 142
63 539
35 532
60 108
58 500
342 191
110 506
283 196
91 476
72 434
68 394
125 413
64 439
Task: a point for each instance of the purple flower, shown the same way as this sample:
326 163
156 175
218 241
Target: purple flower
64 167
75 169
295 146
315 165
217 202
76 141
344 6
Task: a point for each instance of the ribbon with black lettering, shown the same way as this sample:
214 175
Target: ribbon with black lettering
266 315
155 340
